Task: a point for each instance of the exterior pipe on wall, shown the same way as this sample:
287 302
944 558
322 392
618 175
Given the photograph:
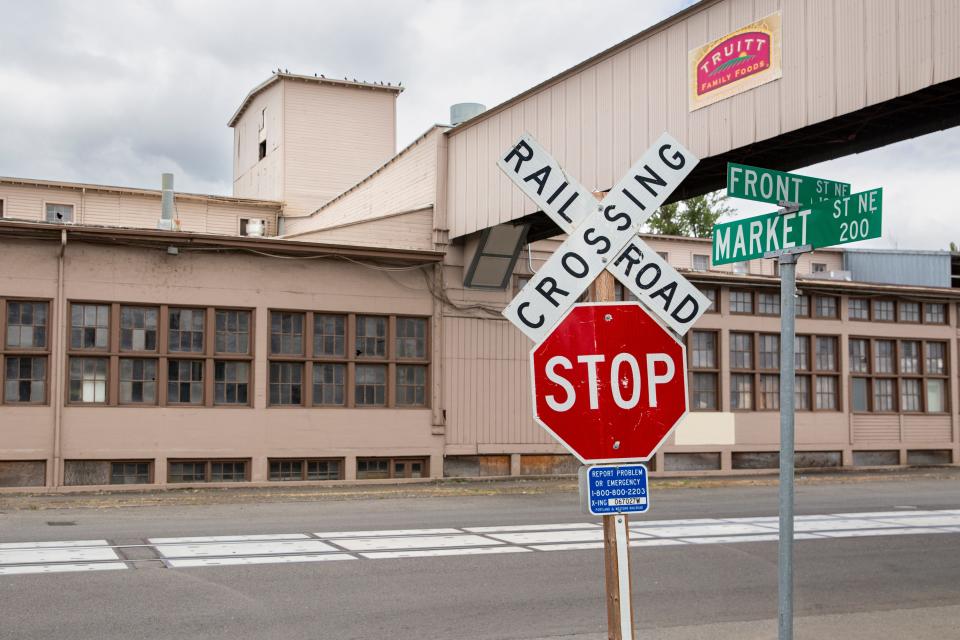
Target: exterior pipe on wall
58 339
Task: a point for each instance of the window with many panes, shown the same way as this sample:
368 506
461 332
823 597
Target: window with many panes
703 354
711 294
290 469
373 468
935 313
138 381
185 330
908 311
138 328
755 378
905 376
858 308
741 301
89 326
817 367
159 355
883 310
701 262
349 360
24 351
207 471
825 307
137 472
768 304
803 305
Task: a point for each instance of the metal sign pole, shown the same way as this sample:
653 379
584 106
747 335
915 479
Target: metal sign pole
788 306
788 267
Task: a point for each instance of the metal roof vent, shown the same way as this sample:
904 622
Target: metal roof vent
463 111
165 223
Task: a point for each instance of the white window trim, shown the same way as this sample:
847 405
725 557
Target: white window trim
73 207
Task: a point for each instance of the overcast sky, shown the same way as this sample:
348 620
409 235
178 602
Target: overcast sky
118 92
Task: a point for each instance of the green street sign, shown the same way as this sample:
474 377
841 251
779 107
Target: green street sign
767 185
838 221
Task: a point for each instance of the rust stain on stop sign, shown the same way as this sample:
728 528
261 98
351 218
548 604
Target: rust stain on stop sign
609 382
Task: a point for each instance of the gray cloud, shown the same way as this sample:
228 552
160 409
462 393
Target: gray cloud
118 91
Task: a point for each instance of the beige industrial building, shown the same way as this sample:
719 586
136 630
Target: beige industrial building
338 317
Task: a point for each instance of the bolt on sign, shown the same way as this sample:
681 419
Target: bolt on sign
835 221
602 236
739 61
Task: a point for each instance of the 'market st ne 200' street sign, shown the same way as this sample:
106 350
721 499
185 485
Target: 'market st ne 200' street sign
834 221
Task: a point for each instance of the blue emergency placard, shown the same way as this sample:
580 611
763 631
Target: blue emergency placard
617 488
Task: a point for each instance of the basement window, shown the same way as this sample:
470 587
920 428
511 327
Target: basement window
263 150
59 212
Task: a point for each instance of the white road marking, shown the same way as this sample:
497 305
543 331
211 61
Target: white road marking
385 555
202 551
704 530
250 538
66 554
387 532
415 542
225 549
60 568
219 562
548 537
56 544
534 527
767 537
905 531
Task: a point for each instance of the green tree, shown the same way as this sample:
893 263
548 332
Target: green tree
694 217
954 248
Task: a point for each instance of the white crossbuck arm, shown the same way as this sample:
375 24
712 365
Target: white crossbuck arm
602 236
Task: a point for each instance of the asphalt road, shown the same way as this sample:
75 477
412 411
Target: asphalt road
896 586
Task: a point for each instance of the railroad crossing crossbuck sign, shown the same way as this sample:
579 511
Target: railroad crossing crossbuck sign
602 236
609 380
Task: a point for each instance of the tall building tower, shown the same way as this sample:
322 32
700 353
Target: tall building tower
304 139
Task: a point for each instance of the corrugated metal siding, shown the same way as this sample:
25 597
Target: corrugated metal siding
409 182
936 428
930 269
406 231
252 177
131 210
837 57
333 138
487 384
879 428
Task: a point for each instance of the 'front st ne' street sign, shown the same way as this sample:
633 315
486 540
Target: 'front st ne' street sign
836 221
767 185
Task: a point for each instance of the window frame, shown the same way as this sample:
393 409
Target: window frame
811 372
753 304
391 462
73 212
25 352
716 370
162 356
304 470
351 360
897 376
208 469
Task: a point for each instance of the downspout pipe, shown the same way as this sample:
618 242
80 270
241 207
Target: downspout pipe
58 337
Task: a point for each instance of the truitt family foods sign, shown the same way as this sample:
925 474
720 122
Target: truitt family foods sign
742 60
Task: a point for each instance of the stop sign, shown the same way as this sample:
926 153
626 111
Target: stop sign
609 382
